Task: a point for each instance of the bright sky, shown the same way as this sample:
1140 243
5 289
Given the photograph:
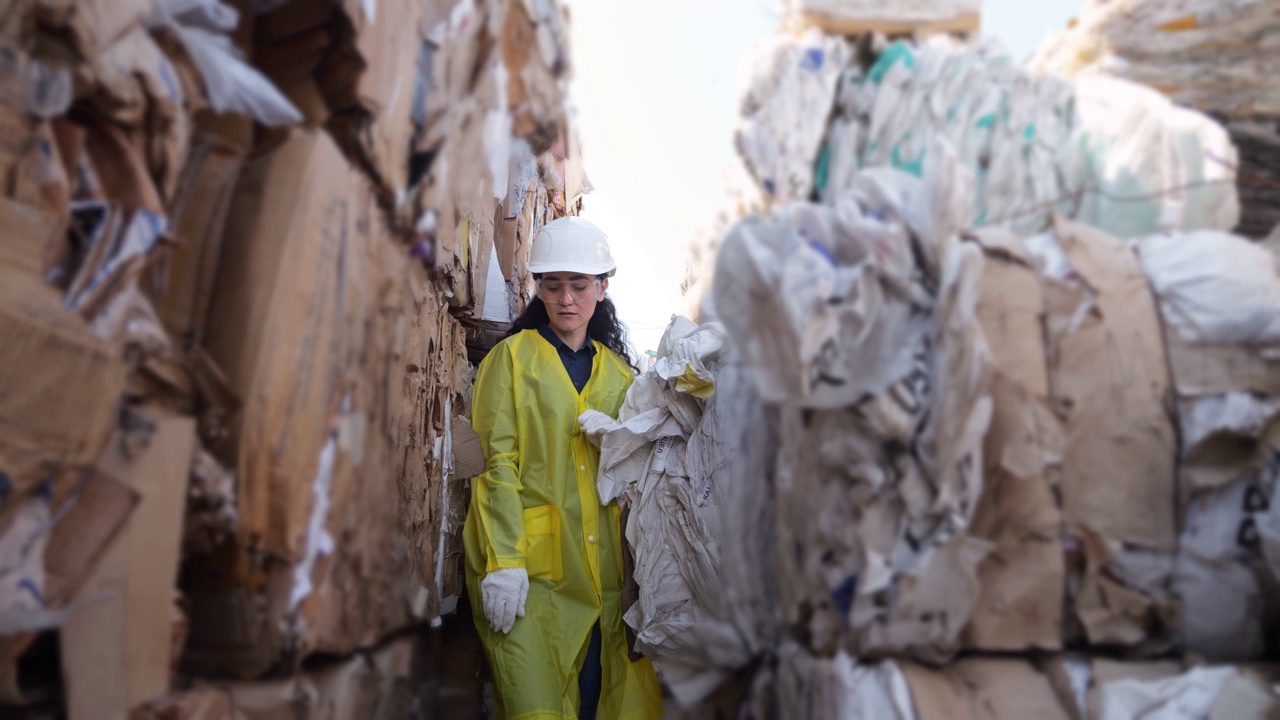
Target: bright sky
656 88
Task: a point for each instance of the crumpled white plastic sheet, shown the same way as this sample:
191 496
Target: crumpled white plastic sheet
1228 590
1004 124
668 457
203 27
1142 164
824 301
784 111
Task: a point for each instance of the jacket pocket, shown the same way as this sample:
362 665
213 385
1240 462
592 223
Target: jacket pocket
542 533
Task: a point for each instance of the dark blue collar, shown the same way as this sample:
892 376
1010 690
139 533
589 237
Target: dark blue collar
588 347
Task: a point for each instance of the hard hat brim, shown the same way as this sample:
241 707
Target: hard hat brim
542 268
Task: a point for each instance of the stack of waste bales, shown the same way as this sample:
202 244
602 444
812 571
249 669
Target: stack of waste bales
246 245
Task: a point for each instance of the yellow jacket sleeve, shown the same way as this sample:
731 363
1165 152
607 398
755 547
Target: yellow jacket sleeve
495 494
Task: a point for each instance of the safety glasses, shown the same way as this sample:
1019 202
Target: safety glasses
577 290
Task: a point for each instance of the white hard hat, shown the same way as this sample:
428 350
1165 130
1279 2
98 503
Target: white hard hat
571 244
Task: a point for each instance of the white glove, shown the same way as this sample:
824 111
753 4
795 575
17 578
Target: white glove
504 593
595 423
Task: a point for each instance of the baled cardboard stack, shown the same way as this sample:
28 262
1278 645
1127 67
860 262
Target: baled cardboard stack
248 249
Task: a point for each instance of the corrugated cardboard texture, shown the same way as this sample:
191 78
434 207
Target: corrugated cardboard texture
976 689
1023 580
378 685
117 651
198 216
275 328
438 376
93 25
61 387
363 592
1109 374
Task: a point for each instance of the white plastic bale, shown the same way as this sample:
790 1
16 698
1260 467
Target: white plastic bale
785 111
1108 152
1144 165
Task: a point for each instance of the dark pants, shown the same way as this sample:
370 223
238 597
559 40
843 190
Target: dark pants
590 678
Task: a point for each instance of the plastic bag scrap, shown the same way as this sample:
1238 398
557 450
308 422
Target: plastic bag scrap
232 86
1108 152
1207 54
667 458
784 112
865 314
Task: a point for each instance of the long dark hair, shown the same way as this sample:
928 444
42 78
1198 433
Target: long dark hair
603 326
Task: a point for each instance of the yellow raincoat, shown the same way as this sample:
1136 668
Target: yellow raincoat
536 507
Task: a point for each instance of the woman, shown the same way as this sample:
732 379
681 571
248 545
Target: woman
544 559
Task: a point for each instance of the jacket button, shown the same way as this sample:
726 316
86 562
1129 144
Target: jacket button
583 468
591 538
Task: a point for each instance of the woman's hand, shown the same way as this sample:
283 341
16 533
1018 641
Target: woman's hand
504 593
594 424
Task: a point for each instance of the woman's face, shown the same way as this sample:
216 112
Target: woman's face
571 299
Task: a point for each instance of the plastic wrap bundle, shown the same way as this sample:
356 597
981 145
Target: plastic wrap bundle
1115 155
1008 126
857 324
1107 152
668 459
1204 53
784 112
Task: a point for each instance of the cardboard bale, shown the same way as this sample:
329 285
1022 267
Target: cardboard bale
436 387
185 275
365 589
138 89
979 688
381 684
1109 375
62 386
117 651
91 26
200 704
1023 580
305 325
858 17
392 44
275 326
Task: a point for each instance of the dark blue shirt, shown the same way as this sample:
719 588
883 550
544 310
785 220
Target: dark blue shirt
576 362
